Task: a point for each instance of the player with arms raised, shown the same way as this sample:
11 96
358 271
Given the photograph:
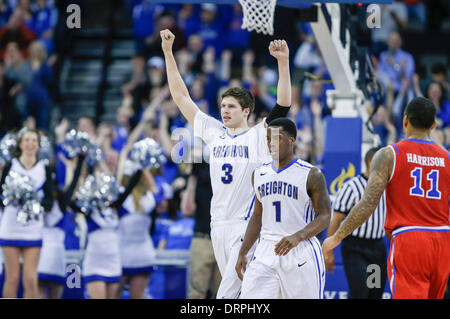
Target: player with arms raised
235 151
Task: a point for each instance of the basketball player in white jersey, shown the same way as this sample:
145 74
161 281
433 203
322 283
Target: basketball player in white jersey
291 207
235 151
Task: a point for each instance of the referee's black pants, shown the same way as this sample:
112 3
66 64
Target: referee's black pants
357 255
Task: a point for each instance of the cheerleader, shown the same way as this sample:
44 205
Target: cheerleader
101 268
136 246
52 264
16 239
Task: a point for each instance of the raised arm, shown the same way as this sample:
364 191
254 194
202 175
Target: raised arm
317 191
380 172
280 51
178 89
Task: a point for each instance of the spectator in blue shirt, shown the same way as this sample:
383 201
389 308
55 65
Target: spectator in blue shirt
43 24
38 95
144 21
166 211
209 28
188 17
5 12
179 234
166 20
238 39
122 128
395 64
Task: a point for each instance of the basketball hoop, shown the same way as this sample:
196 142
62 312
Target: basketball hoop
258 15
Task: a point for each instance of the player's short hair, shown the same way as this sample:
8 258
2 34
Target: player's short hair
421 112
243 96
370 153
286 124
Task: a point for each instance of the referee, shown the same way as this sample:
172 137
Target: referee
365 246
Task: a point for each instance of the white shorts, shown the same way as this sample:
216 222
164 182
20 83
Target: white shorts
226 238
52 264
298 275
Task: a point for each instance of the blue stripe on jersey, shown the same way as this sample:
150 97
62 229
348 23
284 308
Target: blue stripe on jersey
311 218
250 209
307 212
396 148
322 272
302 165
318 268
287 166
422 229
419 141
234 136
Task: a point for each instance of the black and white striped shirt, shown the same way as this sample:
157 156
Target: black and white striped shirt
349 195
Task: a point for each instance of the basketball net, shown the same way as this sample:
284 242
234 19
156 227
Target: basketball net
258 15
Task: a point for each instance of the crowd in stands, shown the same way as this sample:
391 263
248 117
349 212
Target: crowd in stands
213 53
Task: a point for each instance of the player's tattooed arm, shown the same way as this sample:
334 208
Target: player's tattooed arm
380 172
316 187
317 191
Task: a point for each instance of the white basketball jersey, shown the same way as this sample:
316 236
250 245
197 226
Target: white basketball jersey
232 160
287 208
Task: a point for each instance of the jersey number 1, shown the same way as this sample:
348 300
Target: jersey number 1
277 211
417 189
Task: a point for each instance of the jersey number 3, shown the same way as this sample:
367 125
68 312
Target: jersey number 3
417 189
228 178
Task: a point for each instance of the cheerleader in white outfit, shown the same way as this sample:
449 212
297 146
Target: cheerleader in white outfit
136 246
52 264
101 268
19 240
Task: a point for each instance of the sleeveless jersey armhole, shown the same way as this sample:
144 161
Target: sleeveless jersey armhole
395 151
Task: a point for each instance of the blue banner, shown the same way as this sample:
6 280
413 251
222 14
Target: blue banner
342 155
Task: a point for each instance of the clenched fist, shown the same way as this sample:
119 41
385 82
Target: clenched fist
279 49
167 39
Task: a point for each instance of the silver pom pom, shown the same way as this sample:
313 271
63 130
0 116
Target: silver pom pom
97 193
18 191
76 142
94 154
46 149
7 145
147 153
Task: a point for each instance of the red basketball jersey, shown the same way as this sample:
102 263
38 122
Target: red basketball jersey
418 191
